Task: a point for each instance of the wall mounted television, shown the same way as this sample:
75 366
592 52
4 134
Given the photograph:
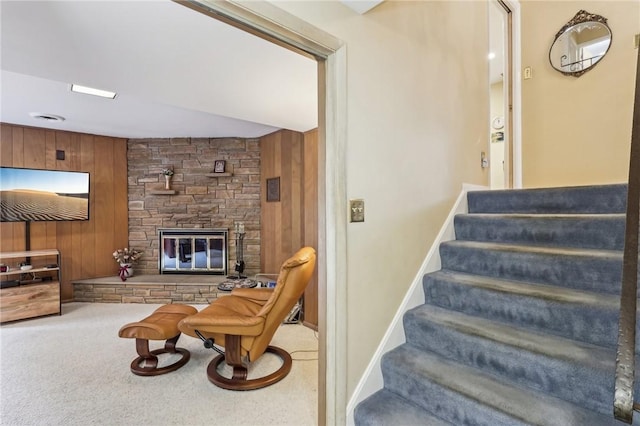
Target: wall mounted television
34 195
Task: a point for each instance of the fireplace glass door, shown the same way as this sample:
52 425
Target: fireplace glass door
193 254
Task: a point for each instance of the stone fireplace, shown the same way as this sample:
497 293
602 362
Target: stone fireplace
193 251
198 199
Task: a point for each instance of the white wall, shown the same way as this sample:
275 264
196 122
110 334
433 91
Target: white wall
417 108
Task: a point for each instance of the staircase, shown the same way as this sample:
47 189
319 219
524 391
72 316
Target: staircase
520 325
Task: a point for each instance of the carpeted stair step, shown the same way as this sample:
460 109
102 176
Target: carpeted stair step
578 199
580 315
563 368
585 269
465 396
385 408
605 231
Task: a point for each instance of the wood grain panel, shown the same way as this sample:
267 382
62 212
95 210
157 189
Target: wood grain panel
120 183
34 145
63 229
87 228
104 208
290 223
6 159
29 301
17 137
50 150
6 145
85 246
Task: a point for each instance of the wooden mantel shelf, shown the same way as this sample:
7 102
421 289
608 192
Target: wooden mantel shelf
219 174
163 192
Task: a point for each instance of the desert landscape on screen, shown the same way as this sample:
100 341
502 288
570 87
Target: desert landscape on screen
21 205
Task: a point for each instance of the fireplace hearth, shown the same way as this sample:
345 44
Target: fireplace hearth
193 251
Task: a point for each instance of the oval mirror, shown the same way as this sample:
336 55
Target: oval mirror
580 44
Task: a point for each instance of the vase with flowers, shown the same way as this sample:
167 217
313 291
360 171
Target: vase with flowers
168 173
126 257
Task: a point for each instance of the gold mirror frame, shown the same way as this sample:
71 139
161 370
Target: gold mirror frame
581 17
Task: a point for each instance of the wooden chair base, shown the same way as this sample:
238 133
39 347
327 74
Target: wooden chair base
147 363
239 380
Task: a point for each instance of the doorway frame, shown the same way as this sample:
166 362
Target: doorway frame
276 25
512 93
516 92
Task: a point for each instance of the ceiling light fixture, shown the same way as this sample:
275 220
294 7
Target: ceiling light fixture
46 117
92 91
492 55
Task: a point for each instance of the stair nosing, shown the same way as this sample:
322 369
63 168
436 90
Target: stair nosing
538 249
544 215
524 288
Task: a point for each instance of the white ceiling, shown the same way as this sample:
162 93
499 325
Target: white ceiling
177 73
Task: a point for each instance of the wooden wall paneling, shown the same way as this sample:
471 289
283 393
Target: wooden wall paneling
286 201
50 163
310 223
85 246
34 144
17 137
50 150
104 209
282 221
276 207
121 201
87 228
64 242
6 145
76 226
297 188
6 159
268 145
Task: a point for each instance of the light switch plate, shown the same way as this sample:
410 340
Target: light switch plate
356 208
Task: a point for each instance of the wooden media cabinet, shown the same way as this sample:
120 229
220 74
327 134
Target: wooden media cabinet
29 293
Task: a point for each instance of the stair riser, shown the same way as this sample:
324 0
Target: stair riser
591 199
599 274
606 233
553 376
438 399
587 323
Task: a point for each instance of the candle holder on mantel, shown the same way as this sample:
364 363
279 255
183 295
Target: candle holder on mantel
239 267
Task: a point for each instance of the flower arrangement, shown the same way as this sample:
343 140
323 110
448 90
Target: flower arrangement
127 255
167 172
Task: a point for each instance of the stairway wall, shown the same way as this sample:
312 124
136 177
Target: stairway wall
520 324
372 379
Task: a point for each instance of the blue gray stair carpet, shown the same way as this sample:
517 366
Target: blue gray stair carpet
520 325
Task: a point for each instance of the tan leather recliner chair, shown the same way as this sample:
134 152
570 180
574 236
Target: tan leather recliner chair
245 321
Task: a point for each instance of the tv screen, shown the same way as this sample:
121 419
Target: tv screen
31 195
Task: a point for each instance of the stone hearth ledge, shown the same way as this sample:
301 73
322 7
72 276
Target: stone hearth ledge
158 289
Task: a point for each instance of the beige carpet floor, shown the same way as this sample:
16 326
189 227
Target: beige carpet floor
73 369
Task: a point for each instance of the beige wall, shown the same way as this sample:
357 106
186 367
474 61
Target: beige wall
417 108
577 131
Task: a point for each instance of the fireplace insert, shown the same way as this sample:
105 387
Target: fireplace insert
193 251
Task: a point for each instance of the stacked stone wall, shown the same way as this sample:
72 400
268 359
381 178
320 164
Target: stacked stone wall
200 201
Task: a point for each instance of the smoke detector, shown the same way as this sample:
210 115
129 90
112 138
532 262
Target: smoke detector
46 117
